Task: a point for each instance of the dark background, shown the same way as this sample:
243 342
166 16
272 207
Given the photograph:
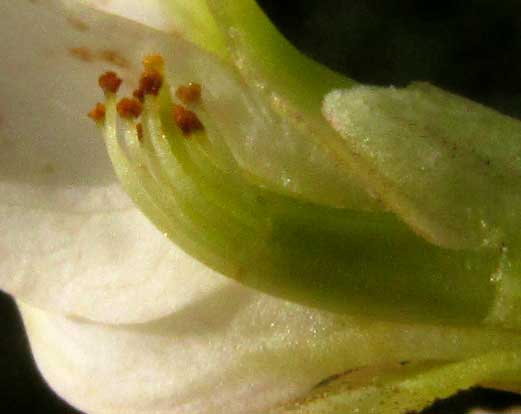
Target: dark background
469 47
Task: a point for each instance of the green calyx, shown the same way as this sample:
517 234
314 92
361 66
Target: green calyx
405 387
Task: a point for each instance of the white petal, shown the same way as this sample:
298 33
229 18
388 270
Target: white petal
110 267
232 351
153 13
190 19
69 239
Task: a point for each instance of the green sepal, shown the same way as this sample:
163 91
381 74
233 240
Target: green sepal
449 167
406 387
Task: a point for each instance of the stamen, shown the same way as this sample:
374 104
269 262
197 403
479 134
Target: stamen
129 108
139 130
151 80
110 82
139 95
189 93
149 84
153 63
186 120
97 113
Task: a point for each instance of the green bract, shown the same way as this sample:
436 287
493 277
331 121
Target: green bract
365 226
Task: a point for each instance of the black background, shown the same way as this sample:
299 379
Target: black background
469 47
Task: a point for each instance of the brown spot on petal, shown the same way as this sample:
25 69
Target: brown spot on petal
113 57
129 108
187 121
97 113
189 93
110 82
78 24
82 53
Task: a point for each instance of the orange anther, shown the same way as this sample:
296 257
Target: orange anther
97 113
110 82
189 93
129 108
186 120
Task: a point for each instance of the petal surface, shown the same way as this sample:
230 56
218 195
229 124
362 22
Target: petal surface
70 239
151 13
231 351
190 19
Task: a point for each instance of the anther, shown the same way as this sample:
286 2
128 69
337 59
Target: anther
153 63
129 108
149 84
97 113
186 120
139 94
189 93
110 82
151 80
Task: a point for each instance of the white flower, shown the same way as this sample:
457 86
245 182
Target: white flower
121 320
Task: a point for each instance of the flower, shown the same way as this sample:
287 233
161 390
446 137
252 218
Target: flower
108 299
